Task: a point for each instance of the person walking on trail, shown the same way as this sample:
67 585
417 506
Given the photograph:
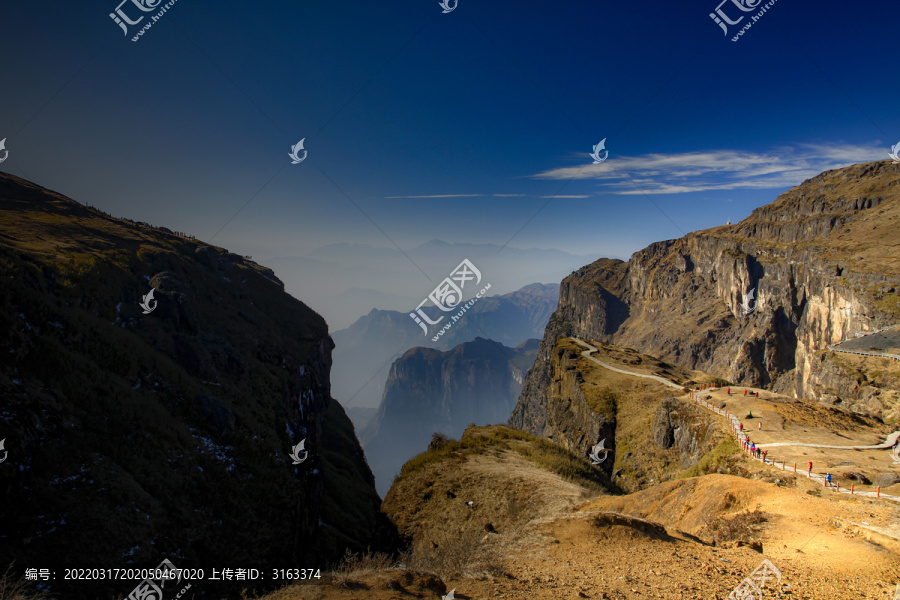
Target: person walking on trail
765 452
745 392
810 468
760 426
728 391
828 480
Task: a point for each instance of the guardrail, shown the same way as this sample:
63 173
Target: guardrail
833 347
743 440
860 352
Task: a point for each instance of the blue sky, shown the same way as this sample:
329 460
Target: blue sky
461 127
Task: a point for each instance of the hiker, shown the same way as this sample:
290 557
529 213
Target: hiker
764 455
810 468
741 427
828 480
749 414
760 426
752 449
728 391
745 392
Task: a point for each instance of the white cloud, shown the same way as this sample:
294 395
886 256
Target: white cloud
439 196
717 169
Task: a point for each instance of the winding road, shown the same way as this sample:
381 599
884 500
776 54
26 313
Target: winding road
890 442
591 349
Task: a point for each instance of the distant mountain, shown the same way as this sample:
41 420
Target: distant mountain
430 391
132 436
346 306
364 351
361 415
351 279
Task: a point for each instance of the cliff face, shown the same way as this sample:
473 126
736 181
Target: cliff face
132 436
568 418
430 391
684 427
820 260
649 436
363 349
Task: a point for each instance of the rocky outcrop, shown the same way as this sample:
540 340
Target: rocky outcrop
570 421
886 479
430 391
684 428
819 261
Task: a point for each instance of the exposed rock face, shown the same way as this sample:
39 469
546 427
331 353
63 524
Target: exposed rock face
684 427
431 391
820 260
569 420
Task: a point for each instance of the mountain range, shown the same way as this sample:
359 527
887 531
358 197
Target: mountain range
364 351
202 423
351 279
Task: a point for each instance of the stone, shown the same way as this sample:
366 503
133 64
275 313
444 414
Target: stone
857 477
886 479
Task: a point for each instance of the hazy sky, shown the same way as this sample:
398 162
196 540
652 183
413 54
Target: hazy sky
421 125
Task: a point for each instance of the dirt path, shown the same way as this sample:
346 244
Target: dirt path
777 417
591 349
890 442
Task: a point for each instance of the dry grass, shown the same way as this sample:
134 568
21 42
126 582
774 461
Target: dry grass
12 588
741 527
455 555
481 440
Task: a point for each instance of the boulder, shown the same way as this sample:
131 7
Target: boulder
857 477
886 479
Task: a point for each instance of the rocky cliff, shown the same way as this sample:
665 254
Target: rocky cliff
136 435
365 350
816 266
430 391
649 435
684 427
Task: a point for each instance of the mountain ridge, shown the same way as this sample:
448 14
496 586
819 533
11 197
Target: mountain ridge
135 435
819 274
